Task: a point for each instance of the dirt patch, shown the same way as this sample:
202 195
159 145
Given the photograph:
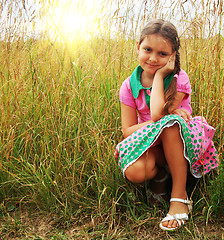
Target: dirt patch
36 225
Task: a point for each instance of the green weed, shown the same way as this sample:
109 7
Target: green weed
60 123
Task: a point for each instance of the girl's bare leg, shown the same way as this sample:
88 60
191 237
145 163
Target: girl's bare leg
173 150
148 166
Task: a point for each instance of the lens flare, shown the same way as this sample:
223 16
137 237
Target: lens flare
73 20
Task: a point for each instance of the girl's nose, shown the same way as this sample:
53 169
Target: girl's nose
153 58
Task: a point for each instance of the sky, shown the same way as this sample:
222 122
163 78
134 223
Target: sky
18 17
184 14
68 18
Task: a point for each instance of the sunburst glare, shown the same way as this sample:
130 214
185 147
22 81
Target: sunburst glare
71 21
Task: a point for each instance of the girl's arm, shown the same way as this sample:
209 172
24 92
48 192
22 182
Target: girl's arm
129 120
157 100
157 104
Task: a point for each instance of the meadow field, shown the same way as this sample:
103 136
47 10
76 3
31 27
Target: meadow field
60 123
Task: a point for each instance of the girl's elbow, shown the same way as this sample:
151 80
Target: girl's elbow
156 116
155 119
157 111
126 133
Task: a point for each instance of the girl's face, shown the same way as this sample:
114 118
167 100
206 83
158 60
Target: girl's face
154 53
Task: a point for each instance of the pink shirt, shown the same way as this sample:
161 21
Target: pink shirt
126 97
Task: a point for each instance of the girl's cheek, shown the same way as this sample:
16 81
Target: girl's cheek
166 61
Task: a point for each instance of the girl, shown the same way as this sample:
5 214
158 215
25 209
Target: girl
160 134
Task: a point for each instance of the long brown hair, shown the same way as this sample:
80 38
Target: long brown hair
168 31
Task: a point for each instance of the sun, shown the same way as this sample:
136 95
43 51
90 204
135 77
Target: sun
73 20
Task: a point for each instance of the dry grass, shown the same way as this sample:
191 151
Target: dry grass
60 123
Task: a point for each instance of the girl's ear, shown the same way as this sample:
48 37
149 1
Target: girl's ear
138 47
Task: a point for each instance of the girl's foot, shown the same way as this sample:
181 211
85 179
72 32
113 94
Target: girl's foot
176 207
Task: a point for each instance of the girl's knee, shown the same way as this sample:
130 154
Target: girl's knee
170 132
141 171
135 173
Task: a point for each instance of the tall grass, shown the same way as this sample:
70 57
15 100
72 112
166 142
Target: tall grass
60 120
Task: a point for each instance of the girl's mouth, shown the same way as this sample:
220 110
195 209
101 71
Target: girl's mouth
151 65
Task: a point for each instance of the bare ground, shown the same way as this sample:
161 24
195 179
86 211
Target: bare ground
36 225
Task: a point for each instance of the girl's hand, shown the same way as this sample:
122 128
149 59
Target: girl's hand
182 113
169 67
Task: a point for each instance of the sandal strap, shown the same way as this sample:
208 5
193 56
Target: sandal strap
162 179
177 217
158 196
180 218
188 202
185 201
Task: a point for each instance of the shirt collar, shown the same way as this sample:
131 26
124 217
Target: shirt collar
135 81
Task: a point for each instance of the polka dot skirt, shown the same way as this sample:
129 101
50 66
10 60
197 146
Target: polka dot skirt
197 137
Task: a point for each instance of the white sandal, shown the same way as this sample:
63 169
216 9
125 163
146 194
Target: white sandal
159 196
162 179
180 218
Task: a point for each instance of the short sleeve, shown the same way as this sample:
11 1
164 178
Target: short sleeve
183 82
125 94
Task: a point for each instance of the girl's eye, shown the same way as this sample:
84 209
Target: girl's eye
163 54
147 49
